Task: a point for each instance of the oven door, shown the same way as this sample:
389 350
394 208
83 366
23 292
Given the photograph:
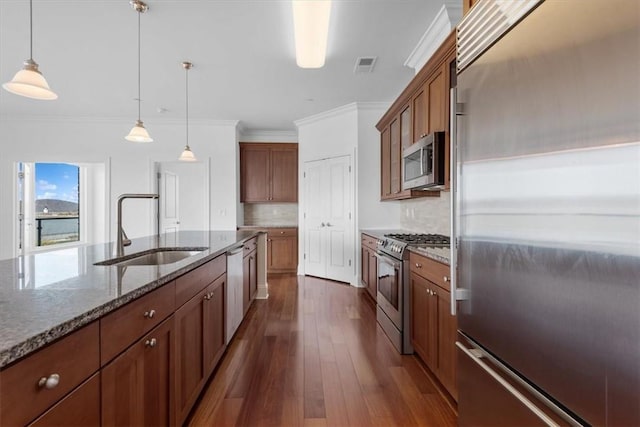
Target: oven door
390 288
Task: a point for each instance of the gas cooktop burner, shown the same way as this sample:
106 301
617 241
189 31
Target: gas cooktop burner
421 239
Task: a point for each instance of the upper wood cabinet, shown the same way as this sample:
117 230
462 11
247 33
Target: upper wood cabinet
268 172
421 109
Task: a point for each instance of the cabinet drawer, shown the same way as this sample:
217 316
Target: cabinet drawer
250 246
430 270
281 232
73 359
80 408
190 284
369 241
119 329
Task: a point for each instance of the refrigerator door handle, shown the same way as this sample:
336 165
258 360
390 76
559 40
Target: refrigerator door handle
457 294
475 355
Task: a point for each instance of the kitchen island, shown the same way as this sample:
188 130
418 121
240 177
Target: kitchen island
59 312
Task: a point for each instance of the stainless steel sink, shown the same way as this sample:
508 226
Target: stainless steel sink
155 257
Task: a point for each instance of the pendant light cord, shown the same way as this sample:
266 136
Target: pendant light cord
31 30
139 100
187 98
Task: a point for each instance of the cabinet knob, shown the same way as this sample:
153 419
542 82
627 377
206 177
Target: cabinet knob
418 265
446 279
282 232
149 314
150 343
207 297
49 382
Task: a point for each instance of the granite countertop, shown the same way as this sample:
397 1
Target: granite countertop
50 294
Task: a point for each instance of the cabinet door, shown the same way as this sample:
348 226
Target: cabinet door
214 324
282 254
405 127
255 174
190 375
137 386
284 175
395 172
373 275
447 329
419 106
246 283
437 101
253 270
80 408
419 315
364 265
385 164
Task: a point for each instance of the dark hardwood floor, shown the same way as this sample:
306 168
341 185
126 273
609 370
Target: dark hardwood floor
313 355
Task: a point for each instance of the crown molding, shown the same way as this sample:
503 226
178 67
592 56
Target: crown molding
258 135
4 118
345 109
445 21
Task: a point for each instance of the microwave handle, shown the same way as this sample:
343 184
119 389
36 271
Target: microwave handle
422 162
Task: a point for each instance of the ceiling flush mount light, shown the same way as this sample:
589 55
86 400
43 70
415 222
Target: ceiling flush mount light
187 154
311 27
138 132
29 81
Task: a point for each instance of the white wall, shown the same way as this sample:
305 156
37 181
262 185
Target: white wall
131 165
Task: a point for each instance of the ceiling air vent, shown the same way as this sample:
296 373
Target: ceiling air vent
365 64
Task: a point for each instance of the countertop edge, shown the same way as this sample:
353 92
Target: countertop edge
36 342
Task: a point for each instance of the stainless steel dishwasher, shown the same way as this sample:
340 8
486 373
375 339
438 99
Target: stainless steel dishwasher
234 290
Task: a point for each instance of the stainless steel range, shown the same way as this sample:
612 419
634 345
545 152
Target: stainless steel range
393 284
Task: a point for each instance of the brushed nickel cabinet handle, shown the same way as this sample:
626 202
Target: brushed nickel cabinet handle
150 343
418 265
49 382
446 279
149 314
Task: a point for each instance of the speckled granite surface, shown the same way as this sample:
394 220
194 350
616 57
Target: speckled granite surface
48 295
439 254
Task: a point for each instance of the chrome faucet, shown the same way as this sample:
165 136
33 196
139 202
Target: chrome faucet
123 240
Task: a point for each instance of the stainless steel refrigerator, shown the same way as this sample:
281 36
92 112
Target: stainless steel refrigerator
546 212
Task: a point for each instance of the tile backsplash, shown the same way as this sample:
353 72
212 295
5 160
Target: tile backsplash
427 215
271 214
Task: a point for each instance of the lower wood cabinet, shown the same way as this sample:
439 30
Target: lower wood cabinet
200 342
250 279
282 250
137 385
369 265
81 408
433 328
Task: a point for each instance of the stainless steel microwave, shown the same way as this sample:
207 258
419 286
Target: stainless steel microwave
423 163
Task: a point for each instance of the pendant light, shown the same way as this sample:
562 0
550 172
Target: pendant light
187 154
138 132
29 81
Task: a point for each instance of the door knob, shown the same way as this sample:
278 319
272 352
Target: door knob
322 224
328 225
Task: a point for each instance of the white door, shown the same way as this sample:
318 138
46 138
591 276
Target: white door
184 196
329 248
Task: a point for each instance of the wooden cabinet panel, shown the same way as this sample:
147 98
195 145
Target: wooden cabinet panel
196 280
137 386
246 287
282 250
447 330
253 275
139 316
284 175
73 359
372 283
268 172
250 246
214 324
437 106
364 265
369 264
419 104
431 270
419 315
190 375
255 173
396 153
385 163
81 408
405 128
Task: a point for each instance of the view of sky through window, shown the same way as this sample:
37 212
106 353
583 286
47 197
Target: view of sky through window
58 181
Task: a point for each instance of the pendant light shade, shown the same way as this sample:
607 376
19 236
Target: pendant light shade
187 154
139 133
29 81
